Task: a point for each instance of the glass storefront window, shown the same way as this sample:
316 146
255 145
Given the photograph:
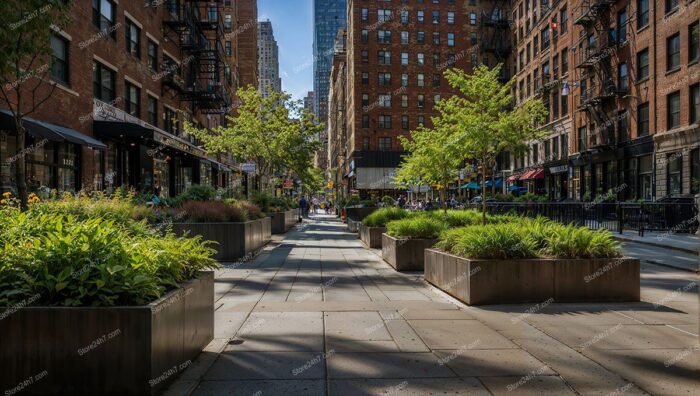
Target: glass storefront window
576 184
695 171
675 162
39 177
7 169
161 176
205 173
645 177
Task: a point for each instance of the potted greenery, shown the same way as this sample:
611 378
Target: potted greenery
282 216
238 227
405 240
82 282
374 225
357 209
531 260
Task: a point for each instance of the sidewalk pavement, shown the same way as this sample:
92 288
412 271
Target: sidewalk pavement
318 314
687 243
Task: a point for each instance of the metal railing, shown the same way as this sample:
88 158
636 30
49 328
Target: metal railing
617 217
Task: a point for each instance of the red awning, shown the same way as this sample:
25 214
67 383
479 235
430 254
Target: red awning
512 178
526 175
538 174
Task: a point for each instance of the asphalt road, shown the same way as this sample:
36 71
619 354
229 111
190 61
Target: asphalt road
665 257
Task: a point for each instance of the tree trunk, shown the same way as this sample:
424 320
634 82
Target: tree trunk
483 193
443 195
20 166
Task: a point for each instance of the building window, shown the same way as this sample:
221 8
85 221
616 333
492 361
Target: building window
153 54
436 60
643 64
673 52
671 5
384 57
643 119
421 120
582 138
384 144
695 171
364 36
421 58
421 37
642 13
404 80
694 42
421 80
404 122
364 14
365 78
622 77
563 21
152 111
436 80
133 39
450 17
436 17
472 18
384 79
103 15
675 163
450 39
695 104
405 38
404 58
59 59
385 122
384 36
365 121
564 62
103 83
404 16
420 16
421 100
383 15
170 123
228 22
365 56
384 100
545 38
436 38
436 99
365 141
473 39
673 113
365 100
132 95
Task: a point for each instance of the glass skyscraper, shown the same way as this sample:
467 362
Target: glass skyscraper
329 16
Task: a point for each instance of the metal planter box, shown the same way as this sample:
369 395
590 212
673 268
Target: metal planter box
405 254
533 280
282 222
106 350
235 240
371 236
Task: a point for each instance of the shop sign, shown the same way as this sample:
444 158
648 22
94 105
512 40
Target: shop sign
248 168
289 183
558 169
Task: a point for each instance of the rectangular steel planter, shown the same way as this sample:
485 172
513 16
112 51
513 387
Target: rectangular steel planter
359 214
282 222
106 350
371 236
533 280
405 254
235 240
354 225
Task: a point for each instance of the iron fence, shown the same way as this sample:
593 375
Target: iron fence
640 217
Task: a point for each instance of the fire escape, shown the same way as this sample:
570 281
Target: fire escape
197 25
595 59
496 35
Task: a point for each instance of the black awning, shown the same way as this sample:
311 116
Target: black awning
49 131
118 130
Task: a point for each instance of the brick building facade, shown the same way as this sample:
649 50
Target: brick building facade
125 77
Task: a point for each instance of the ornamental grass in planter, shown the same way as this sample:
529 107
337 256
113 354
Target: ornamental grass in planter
237 227
374 225
531 260
81 286
405 240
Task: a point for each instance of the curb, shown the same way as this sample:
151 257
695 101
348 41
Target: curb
661 245
660 264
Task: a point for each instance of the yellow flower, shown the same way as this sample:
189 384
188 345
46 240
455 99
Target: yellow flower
6 194
3 201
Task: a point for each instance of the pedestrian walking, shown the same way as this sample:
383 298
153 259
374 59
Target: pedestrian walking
304 206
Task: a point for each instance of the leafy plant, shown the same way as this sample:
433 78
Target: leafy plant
416 227
251 210
209 212
388 201
580 242
499 241
194 193
380 217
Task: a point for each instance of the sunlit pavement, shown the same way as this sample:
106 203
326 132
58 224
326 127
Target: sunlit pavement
317 313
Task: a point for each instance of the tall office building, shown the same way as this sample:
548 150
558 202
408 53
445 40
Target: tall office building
268 55
309 101
329 16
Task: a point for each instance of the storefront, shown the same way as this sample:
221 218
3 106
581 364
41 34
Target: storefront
678 162
534 181
147 158
52 155
557 180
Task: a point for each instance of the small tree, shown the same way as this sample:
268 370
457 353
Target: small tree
25 65
432 157
486 121
265 134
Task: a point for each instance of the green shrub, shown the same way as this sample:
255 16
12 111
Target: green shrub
54 259
353 201
209 212
461 218
416 227
580 242
388 201
380 217
496 241
194 193
251 210
367 203
531 197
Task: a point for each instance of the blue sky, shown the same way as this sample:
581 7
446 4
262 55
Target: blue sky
292 23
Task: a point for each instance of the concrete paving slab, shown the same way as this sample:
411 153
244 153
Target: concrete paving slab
405 337
527 386
337 306
406 295
458 334
271 388
491 362
226 324
621 337
233 364
407 387
386 365
436 315
345 345
356 326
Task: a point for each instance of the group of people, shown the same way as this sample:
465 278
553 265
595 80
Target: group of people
317 205
427 204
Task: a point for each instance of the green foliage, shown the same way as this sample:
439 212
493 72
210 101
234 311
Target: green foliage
520 238
56 259
416 227
368 203
194 193
354 200
250 210
209 212
381 217
388 201
531 197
